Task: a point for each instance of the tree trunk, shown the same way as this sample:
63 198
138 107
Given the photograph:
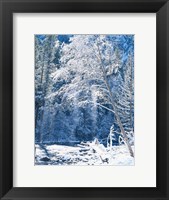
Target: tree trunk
131 88
111 141
44 82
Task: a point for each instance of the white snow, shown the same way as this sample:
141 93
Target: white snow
90 154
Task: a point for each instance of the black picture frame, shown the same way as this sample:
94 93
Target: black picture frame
7 8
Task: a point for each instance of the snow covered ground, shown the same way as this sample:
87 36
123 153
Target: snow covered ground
92 154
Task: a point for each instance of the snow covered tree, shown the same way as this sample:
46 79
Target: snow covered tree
44 65
124 99
93 59
111 98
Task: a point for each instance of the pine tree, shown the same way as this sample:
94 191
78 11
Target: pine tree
124 99
44 66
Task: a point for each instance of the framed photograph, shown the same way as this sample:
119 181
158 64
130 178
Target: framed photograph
84 99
